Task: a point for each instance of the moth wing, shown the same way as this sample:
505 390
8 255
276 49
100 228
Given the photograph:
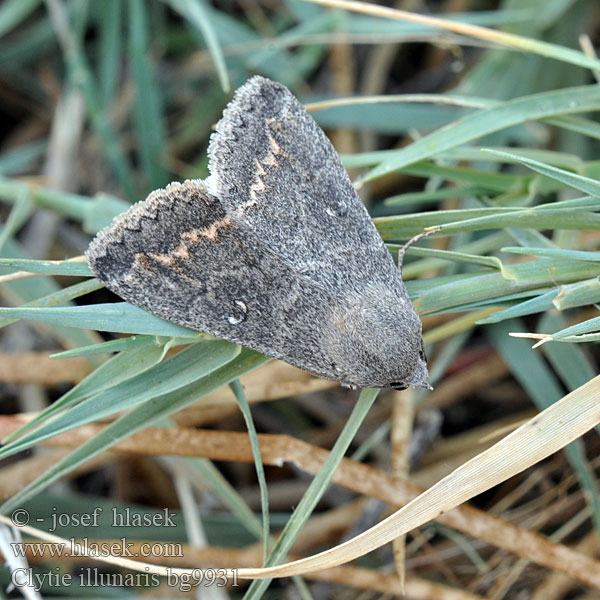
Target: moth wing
181 257
277 174
275 251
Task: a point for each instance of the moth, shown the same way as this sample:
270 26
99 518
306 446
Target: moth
274 250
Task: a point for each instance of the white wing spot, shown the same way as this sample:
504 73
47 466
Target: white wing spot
242 311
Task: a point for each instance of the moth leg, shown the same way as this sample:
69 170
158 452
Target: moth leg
412 240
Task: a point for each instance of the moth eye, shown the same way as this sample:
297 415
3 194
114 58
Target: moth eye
396 385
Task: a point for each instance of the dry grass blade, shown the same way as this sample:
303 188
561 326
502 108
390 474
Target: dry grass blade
273 381
18 475
402 424
37 367
358 577
551 430
564 421
483 33
18 275
110 100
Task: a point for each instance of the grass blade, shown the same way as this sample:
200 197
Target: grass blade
118 317
195 12
529 307
238 390
142 416
486 121
316 490
73 267
62 296
579 182
80 73
170 375
149 128
555 253
110 16
14 12
19 214
118 369
118 345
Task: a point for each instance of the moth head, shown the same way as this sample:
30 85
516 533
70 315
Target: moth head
377 341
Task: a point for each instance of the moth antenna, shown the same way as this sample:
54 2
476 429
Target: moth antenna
412 240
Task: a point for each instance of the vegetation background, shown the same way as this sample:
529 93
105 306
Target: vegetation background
102 102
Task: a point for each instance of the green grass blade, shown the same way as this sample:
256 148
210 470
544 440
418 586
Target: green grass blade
80 73
555 253
140 417
118 369
580 125
446 292
480 247
62 296
579 182
462 191
20 159
486 121
195 12
94 213
13 12
70 205
118 317
21 211
240 396
74 268
32 289
574 203
315 491
580 293
177 372
450 255
406 226
492 182
569 361
114 371
228 495
149 129
101 211
563 160
386 118
529 307
579 339
587 326
110 17
36 39
118 345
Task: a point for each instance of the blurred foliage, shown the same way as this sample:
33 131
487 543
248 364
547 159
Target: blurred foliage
102 102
